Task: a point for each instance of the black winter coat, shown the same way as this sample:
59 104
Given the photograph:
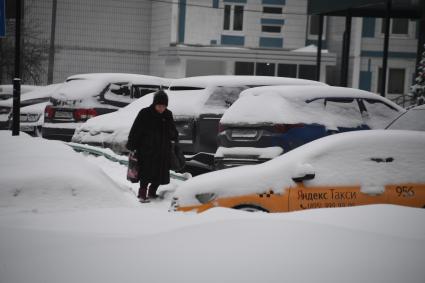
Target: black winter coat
151 136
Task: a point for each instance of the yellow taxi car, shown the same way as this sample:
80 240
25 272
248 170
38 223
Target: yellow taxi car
348 169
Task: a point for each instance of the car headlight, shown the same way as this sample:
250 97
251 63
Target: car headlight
33 117
206 197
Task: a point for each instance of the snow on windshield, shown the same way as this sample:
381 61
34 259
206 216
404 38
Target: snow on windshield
342 159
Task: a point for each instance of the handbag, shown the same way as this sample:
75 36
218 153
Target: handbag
133 167
178 161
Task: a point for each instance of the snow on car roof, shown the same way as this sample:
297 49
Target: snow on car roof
340 159
223 80
40 92
287 104
311 92
79 89
122 77
88 85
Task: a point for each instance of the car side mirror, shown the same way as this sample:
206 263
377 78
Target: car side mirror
303 172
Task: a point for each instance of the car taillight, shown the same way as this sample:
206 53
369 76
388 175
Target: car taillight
84 114
49 112
282 128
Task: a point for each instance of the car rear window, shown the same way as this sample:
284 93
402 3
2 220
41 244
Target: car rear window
224 96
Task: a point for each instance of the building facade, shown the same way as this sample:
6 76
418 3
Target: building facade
204 37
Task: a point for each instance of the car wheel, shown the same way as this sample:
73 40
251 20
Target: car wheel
250 208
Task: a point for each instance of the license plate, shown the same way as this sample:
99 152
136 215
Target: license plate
63 114
244 134
27 128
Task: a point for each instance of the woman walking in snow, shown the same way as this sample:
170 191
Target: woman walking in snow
151 136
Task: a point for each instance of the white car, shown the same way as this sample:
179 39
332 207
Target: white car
33 104
413 119
84 96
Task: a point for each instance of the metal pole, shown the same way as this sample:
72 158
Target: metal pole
421 39
386 42
52 44
319 48
346 51
17 80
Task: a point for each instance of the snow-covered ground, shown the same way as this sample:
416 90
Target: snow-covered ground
66 217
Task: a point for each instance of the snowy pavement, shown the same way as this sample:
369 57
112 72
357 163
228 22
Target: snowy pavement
47 236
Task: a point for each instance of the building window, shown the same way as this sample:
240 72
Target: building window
274 29
238 18
244 68
272 10
395 81
307 72
287 70
397 26
265 69
226 24
235 13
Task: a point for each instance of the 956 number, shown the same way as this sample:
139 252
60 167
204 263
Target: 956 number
405 191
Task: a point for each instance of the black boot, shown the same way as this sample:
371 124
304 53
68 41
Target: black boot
142 195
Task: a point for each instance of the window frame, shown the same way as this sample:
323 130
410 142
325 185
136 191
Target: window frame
230 17
387 83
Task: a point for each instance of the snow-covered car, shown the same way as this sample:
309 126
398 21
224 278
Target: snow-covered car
348 169
32 111
266 122
40 175
413 119
84 96
197 104
6 91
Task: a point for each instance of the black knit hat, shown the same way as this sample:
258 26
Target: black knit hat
160 97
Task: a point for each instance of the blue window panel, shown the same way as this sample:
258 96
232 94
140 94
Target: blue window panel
272 22
2 18
365 80
182 20
368 29
274 2
235 1
391 54
215 3
232 40
271 42
213 42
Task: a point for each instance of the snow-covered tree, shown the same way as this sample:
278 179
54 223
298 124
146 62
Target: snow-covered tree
418 89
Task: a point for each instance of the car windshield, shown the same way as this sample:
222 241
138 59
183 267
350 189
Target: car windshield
411 120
